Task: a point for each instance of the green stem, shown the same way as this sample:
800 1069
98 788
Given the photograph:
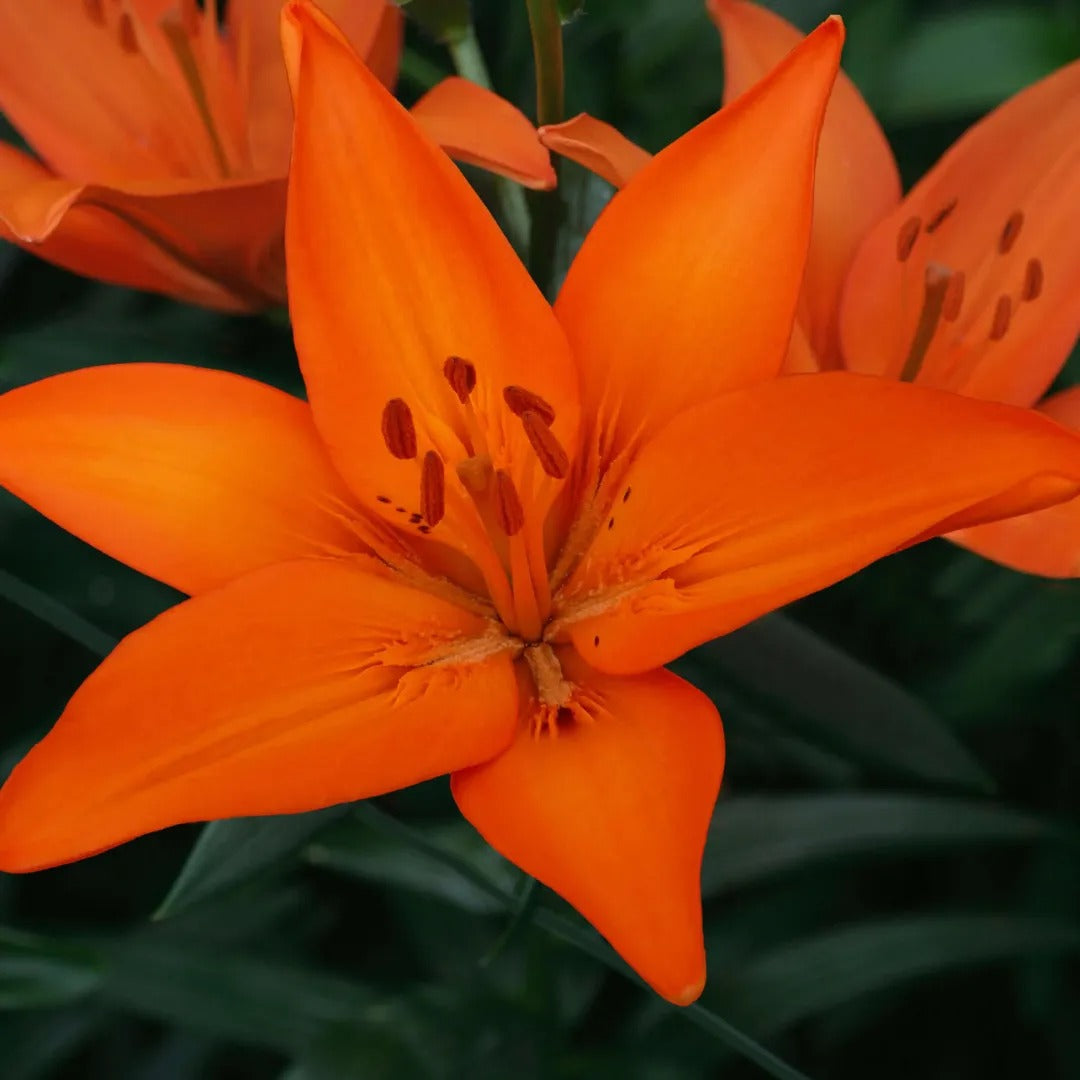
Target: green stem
469 64
547 206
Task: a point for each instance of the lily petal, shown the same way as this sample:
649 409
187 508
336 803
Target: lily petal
687 284
612 813
1000 207
1046 542
360 161
287 690
480 128
596 146
374 27
856 183
765 494
97 243
191 476
230 231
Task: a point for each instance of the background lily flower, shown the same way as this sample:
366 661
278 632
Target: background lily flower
475 548
162 138
970 283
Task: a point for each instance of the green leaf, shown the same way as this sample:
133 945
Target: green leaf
751 838
230 852
819 691
969 60
35 1043
809 976
37 971
55 614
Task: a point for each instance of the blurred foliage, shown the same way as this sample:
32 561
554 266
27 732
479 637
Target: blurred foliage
892 879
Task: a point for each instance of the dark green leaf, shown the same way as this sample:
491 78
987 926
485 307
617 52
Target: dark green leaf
230 852
814 974
751 838
57 615
818 690
36 971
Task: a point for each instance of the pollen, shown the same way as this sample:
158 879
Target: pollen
398 430
519 401
461 375
432 488
553 458
1010 232
508 508
1033 281
906 237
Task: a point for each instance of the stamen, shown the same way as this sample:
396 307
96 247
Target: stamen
1002 317
508 507
553 458
938 219
95 10
398 431
519 400
126 30
954 297
905 239
1010 232
189 17
433 488
461 375
1033 280
936 284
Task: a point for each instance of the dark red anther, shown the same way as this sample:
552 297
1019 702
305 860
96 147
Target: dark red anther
553 458
461 375
432 488
940 217
508 504
1010 232
398 430
1002 317
906 237
519 400
1033 280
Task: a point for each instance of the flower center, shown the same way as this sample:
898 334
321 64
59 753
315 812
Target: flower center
965 312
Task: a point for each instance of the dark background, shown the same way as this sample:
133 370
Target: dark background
893 876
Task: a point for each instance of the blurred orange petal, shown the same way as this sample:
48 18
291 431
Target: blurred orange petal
795 484
611 811
296 687
1046 542
189 475
856 183
997 217
687 284
596 146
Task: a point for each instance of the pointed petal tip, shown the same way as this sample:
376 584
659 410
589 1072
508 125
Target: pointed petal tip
689 993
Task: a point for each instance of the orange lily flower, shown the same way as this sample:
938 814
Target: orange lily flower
970 283
162 138
475 548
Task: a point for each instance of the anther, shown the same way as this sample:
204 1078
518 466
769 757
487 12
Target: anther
398 431
508 504
954 297
1010 232
553 459
905 239
95 9
126 29
519 400
461 375
1002 318
433 488
1033 280
938 219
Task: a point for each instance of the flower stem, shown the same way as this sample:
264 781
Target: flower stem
547 206
469 64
